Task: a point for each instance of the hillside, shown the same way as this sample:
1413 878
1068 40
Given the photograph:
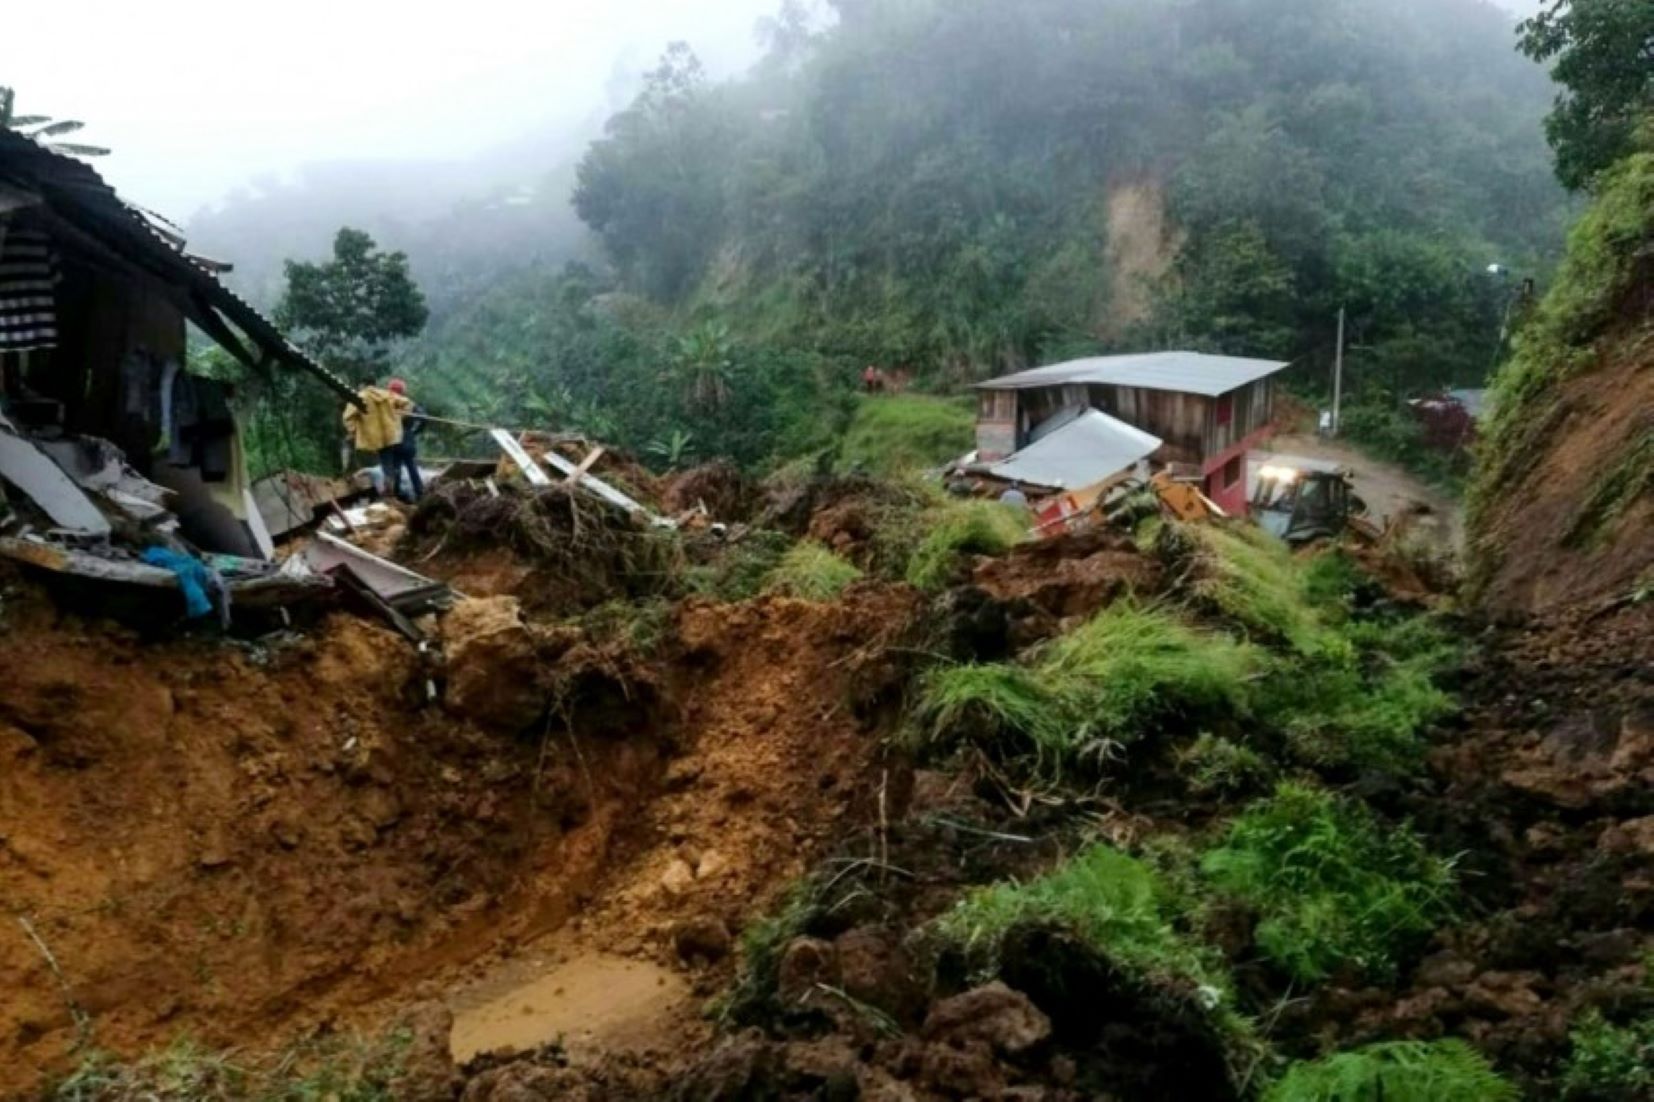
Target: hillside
955 189
1562 510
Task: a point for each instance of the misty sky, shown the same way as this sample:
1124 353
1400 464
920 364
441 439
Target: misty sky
199 96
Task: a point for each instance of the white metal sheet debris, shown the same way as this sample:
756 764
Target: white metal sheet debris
43 482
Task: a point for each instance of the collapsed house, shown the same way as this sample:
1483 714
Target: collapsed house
117 463
1193 414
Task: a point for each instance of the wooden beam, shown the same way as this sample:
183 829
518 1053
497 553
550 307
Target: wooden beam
585 464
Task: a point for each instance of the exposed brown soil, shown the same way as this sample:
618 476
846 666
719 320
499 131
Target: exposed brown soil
237 843
1539 562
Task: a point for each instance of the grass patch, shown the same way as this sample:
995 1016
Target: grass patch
955 528
1628 481
1335 889
1252 578
1367 706
1112 902
893 433
338 1069
1397 1071
811 572
1609 1063
1087 694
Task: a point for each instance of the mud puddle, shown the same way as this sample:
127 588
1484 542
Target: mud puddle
584 1001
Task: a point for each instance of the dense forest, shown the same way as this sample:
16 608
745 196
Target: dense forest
956 189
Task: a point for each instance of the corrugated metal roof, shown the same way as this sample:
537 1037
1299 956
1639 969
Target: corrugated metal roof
1086 450
1184 372
73 192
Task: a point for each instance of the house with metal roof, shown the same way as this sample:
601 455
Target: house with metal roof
95 298
1206 411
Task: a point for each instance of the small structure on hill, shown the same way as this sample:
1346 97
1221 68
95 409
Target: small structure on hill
120 464
1205 411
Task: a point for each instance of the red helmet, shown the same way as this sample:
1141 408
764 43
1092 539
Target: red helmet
397 386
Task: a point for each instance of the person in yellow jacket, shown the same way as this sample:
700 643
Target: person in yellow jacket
376 426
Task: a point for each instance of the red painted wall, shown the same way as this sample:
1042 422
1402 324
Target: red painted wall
1232 497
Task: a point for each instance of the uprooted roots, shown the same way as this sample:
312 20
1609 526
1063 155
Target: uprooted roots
578 537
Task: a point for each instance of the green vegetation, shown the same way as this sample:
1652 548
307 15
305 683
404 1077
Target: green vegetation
762 943
1253 579
338 1069
1397 1071
1079 699
1600 50
738 573
811 572
893 434
954 528
1114 903
1629 480
1609 1063
1219 766
1335 890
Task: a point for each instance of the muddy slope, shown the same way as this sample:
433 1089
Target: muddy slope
237 844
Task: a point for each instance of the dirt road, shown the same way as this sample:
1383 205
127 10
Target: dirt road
1385 487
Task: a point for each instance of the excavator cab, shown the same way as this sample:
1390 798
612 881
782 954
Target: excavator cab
1299 503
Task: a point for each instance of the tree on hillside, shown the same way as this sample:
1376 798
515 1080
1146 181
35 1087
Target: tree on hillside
350 311
1604 57
42 127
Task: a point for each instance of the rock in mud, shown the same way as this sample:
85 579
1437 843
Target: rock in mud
996 1015
745 1066
875 969
806 962
493 670
704 938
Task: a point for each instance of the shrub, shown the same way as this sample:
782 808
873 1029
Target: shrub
1610 1063
811 572
1396 1071
1087 693
893 433
1112 902
956 528
738 572
1334 889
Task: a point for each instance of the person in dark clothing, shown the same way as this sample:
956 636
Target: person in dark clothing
404 455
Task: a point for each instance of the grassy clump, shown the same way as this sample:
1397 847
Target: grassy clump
1335 889
954 528
751 997
1112 902
1397 1071
738 572
1088 693
1610 1063
1222 767
337 1068
1251 577
1630 480
890 434
811 572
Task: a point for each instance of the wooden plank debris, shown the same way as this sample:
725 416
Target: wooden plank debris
586 464
519 455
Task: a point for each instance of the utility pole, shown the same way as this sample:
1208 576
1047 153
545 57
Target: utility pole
1338 373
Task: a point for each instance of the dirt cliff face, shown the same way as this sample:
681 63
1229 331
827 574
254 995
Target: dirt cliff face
1562 509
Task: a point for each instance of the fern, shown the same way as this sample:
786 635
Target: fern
1397 1071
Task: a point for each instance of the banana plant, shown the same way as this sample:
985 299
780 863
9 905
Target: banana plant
674 449
40 128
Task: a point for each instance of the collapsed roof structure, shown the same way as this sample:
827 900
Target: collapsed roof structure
111 451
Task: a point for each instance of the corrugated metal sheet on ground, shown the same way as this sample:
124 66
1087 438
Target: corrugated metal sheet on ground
1186 372
1086 450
